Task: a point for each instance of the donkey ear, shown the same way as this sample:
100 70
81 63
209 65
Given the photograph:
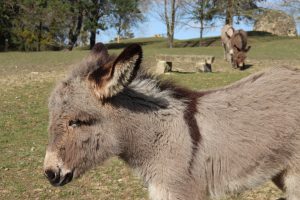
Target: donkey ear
111 79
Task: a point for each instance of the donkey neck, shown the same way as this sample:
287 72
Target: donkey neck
147 111
142 121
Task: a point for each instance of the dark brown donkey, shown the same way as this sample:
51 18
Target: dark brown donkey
239 48
185 145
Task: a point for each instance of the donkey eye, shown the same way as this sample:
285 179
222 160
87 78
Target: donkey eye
77 123
74 123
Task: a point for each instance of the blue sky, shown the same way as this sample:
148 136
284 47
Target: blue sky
153 26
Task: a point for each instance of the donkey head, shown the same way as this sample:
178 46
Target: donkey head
230 32
239 56
81 130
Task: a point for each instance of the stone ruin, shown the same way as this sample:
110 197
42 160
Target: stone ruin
276 22
184 63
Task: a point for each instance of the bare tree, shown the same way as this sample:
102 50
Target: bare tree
293 8
240 8
169 13
76 18
200 14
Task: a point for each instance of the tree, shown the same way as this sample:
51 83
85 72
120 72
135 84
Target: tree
124 16
239 8
8 11
293 8
169 13
40 23
97 12
76 10
200 12
169 17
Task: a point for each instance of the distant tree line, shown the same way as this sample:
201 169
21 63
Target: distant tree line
35 25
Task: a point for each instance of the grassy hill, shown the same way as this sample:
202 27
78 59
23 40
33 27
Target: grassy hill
26 79
264 46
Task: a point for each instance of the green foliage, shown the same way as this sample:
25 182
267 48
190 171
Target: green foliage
34 25
8 8
96 16
201 12
125 15
243 9
40 24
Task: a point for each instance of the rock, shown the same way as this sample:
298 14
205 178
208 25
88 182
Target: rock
184 63
276 22
203 67
162 67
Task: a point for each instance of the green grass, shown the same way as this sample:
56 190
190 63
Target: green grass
205 81
263 47
13 63
24 118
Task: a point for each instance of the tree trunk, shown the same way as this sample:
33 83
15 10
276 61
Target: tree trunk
39 36
73 36
6 45
201 32
167 21
119 31
201 20
229 12
92 39
170 23
171 41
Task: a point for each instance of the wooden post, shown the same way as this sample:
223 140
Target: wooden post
6 45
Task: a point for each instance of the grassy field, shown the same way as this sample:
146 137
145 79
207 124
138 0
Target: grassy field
26 80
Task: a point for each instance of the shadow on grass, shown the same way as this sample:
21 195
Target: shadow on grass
122 45
178 72
259 33
246 67
205 42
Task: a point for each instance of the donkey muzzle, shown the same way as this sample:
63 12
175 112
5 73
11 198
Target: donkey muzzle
56 178
55 171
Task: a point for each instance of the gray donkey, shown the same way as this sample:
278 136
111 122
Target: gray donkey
184 144
226 33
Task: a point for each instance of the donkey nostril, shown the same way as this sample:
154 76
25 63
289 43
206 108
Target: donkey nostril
68 178
50 174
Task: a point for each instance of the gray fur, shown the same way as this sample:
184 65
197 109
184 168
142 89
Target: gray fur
250 133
